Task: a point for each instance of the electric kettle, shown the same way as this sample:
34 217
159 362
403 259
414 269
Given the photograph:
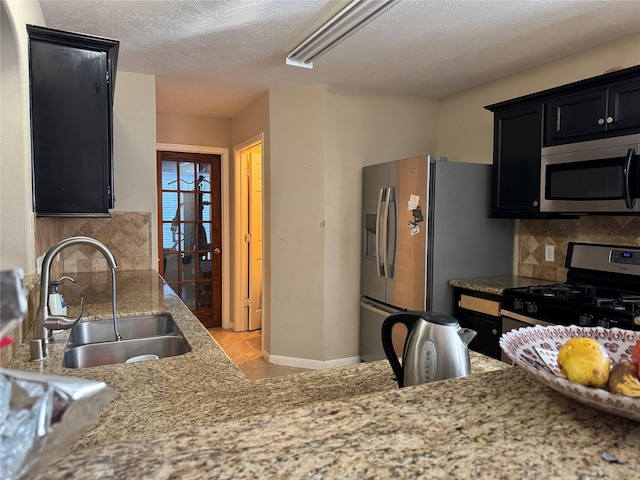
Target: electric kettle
435 347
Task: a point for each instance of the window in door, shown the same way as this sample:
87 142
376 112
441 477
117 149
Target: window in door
190 231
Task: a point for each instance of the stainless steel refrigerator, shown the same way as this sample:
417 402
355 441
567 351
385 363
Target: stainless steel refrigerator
425 221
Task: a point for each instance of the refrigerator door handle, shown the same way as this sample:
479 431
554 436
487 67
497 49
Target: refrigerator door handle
385 234
379 266
392 229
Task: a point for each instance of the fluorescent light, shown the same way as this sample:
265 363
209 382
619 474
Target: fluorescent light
348 21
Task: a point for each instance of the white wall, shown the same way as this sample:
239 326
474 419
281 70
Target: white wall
197 130
362 128
16 217
321 137
134 148
296 192
250 123
465 128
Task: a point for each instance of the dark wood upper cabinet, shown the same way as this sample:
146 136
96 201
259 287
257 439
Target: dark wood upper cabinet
575 115
72 81
516 161
599 107
594 113
624 106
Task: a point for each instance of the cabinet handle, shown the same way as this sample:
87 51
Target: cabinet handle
601 121
535 203
609 119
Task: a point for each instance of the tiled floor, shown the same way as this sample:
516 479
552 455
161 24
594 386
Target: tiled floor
245 349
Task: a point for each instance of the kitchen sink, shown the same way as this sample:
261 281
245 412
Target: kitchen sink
129 328
108 353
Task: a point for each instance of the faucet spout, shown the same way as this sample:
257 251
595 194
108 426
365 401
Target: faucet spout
45 322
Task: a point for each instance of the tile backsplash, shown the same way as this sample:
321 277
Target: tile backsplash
533 235
126 234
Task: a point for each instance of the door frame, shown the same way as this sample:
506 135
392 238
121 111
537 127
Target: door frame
240 312
226 252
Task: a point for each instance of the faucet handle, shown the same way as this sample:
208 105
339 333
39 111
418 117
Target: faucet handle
58 322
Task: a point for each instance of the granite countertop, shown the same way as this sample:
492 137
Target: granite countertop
197 416
497 285
497 425
200 388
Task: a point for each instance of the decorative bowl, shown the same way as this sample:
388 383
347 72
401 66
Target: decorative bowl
522 346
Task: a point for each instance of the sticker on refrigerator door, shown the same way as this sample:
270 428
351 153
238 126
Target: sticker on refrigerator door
414 201
414 228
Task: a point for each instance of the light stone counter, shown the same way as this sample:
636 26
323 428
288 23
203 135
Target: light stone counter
197 416
497 425
497 285
200 388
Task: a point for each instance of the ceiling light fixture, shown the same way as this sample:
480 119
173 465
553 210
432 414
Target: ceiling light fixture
348 21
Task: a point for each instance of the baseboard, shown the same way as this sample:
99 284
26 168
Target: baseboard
310 364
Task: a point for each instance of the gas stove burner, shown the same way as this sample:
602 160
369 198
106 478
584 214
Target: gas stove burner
563 291
604 302
583 290
537 290
634 299
631 303
625 303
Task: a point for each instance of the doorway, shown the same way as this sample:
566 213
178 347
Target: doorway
249 228
190 230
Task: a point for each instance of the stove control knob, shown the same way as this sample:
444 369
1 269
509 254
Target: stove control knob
517 304
584 320
532 307
603 322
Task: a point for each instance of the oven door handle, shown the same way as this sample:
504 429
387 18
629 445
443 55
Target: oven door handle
628 199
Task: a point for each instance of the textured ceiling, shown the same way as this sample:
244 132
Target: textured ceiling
215 57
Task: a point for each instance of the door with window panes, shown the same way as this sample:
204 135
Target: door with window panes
190 231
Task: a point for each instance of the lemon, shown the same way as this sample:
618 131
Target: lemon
584 361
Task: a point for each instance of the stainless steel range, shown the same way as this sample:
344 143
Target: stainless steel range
602 289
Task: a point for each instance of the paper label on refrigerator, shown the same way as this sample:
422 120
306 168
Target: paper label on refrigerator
414 201
414 228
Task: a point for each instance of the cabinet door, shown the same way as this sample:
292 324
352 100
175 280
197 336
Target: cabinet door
516 162
624 106
575 115
488 331
71 123
480 312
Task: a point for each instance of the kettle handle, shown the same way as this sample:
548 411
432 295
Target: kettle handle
409 318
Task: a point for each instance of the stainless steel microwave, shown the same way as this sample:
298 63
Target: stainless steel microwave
598 176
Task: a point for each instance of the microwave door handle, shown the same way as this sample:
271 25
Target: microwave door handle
379 267
629 202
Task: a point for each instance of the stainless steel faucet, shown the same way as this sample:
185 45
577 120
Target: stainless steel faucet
45 322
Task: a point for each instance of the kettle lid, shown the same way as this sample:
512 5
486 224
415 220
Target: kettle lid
440 319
